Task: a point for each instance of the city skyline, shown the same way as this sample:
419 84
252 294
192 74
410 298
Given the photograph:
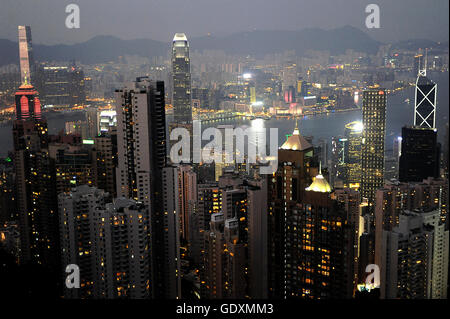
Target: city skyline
314 174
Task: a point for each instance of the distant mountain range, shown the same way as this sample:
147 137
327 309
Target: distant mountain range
257 43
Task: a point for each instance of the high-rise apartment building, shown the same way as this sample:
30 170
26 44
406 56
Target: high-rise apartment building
225 264
110 243
286 189
319 246
395 197
105 162
407 258
141 147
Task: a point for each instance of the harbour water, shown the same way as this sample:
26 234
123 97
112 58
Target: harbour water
399 113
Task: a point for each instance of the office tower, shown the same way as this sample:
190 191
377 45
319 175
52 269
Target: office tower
141 145
35 187
418 64
74 127
318 254
107 120
181 73
285 190
224 260
171 240
420 156
289 77
338 170
425 100
62 86
407 255
26 54
105 162
28 105
353 134
374 129
109 242
91 118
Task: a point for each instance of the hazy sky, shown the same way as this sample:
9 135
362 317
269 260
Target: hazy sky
160 19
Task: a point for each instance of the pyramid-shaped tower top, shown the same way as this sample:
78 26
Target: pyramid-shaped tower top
319 184
296 142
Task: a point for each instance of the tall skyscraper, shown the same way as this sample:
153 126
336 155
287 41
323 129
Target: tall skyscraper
34 182
28 105
425 100
181 72
374 129
407 258
26 54
286 189
171 235
318 252
224 260
420 154
141 144
353 134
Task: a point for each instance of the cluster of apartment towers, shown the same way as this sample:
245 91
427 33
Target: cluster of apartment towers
139 226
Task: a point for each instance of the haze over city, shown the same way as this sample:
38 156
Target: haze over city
160 19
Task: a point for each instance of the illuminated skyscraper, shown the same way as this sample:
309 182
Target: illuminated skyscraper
28 105
26 54
319 246
141 147
374 129
353 133
425 101
181 72
286 190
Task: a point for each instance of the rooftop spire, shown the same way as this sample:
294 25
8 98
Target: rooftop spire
296 130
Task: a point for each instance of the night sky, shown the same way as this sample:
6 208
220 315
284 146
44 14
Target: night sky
160 19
